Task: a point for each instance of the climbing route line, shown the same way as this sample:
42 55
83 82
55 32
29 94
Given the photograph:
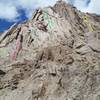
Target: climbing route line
3 52
86 21
46 17
17 48
45 11
34 30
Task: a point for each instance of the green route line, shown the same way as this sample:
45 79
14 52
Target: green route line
48 19
86 20
3 52
33 30
34 33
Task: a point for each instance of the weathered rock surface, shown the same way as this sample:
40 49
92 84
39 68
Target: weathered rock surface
53 56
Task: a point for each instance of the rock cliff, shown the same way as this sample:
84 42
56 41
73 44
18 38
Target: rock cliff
55 55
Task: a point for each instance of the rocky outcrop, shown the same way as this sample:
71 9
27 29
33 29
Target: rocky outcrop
55 55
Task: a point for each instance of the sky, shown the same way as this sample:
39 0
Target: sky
16 11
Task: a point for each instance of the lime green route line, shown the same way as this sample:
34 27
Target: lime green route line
47 17
85 19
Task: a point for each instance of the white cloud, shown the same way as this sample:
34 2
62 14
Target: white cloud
8 11
92 7
29 5
9 8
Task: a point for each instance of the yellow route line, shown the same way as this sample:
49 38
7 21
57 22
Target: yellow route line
86 20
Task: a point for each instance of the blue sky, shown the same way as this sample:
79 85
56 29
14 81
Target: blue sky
6 23
16 11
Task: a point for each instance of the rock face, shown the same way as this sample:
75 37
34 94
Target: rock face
53 56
